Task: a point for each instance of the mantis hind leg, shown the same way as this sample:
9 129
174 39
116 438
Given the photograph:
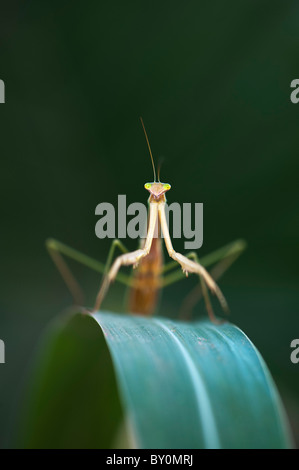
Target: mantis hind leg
57 250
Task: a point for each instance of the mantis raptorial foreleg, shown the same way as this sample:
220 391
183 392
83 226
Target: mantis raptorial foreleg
224 257
189 266
235 249
129 259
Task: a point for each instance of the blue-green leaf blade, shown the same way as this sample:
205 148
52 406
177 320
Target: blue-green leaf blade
193 385
176 385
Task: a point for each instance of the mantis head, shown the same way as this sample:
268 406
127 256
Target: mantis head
157 190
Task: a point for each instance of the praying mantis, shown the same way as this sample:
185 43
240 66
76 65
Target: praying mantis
149 270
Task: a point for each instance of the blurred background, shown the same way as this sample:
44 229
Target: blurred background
212 83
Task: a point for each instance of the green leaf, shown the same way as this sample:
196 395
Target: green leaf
175 384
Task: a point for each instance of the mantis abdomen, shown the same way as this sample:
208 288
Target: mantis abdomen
144 294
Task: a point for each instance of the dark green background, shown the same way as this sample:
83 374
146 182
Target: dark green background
212 82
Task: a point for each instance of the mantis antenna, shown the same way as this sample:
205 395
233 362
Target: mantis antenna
149 147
